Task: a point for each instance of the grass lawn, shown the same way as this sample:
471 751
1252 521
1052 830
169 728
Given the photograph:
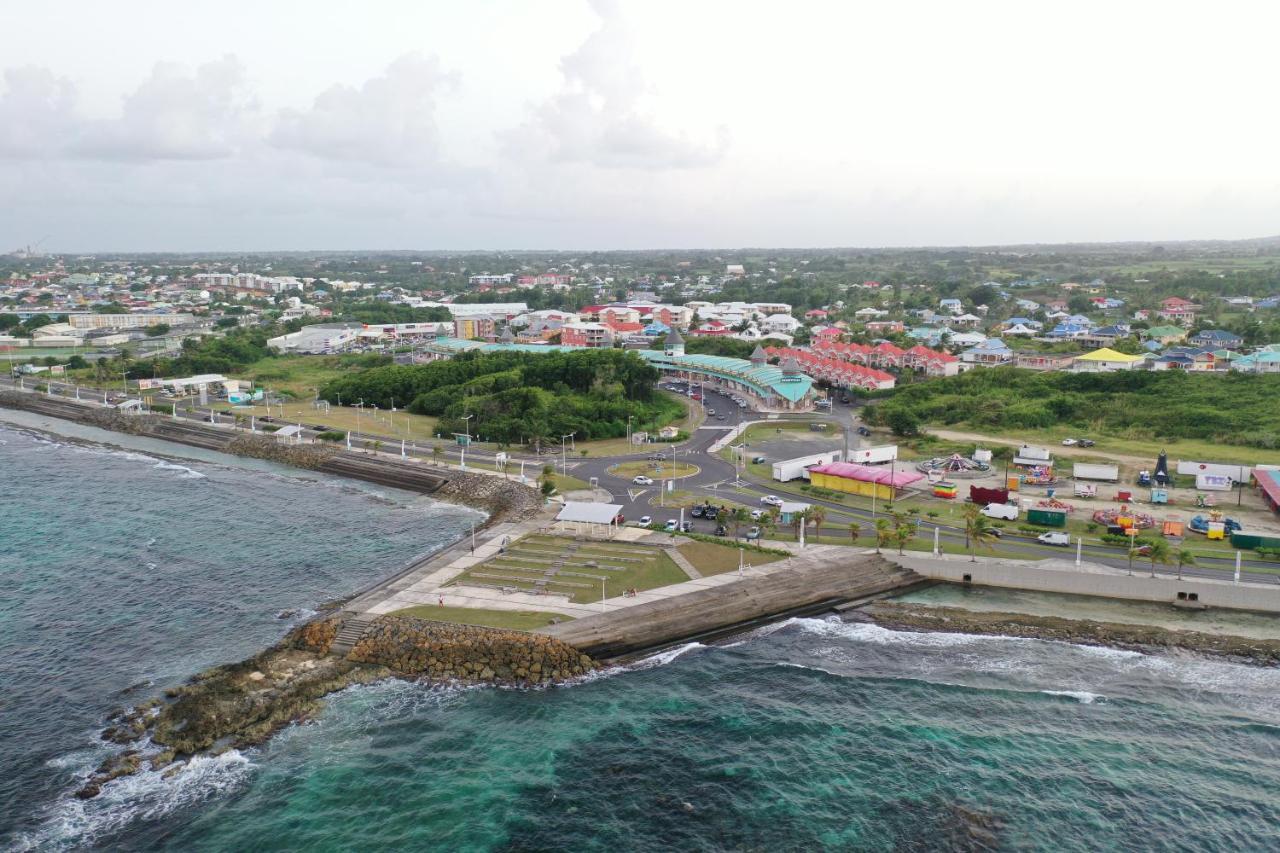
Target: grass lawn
712 559
516 620
566 483
419 428
658 470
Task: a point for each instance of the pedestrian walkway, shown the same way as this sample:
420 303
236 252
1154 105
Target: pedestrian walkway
680 560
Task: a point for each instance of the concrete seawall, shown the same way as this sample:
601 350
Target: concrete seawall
1063 576
812 584
499 497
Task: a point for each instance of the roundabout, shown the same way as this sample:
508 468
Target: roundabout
658 470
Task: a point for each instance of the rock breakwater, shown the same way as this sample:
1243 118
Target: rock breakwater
242 704
465 653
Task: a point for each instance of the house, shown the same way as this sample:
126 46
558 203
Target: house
712 329
1142 314
1056 305
1020 330
963 321
1217 339
1106 335
928 335
1178 310
1029 305
954 306
1165 334
586 335
869 313
990 352
779 324
1263 361
815 314
1043 360
1068 331
885 327
965 339
1106 360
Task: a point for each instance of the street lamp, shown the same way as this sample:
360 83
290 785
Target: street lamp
564 458
462 461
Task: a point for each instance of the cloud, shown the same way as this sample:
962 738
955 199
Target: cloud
599 116
388 121
36 111
177 115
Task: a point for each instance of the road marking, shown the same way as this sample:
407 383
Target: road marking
635 494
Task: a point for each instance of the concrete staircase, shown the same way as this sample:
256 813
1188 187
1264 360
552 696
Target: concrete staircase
349 634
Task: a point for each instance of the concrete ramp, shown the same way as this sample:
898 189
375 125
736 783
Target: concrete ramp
811 584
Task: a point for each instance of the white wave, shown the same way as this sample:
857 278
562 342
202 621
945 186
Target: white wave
188 473
663 657
1084 697
144 796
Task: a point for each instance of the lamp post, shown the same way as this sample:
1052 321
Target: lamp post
629 432
462 460
564 457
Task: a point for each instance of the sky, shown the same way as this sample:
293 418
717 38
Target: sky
140 125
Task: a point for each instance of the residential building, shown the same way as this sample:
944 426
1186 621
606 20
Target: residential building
990 353
474 327
581 334
1217 339
1165 334
1106 360
1043 360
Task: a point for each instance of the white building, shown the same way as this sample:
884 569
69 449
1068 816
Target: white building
316 339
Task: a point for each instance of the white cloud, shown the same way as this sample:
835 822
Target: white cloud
36 111
177 115
388 121
600 117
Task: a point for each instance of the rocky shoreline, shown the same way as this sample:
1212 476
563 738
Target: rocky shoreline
239 705
1141 638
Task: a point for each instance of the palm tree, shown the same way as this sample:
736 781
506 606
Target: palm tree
1185 557
817 514
1159 553
902 534
739 516
978 530
1133 552
883 532
855 530
799 520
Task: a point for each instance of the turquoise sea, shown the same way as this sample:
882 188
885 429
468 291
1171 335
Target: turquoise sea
121 570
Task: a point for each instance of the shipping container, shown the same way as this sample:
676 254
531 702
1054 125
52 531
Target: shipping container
983 495
1248 541
1047 517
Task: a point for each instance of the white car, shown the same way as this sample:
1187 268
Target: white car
646 520
1054 537
771 500
757 514
642 480
672 525
1068 442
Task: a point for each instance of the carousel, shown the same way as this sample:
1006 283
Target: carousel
955 465
1124 517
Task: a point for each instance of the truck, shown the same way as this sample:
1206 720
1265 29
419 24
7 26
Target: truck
793 469
1091 471
1008 512
874 455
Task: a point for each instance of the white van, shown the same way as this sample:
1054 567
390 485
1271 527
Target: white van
1008 512
1054 537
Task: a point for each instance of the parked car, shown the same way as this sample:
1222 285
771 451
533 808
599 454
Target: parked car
1054 537
753 533
757 514
771 500
646 520
642 480
710 513
1069 442
711 411
687 527
696 511
721 530
1086 442
671 526
863 431
758 460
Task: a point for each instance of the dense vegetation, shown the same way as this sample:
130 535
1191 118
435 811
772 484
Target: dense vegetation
515 397
1229 408
222 354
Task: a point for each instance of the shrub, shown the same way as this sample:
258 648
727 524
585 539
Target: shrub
332 435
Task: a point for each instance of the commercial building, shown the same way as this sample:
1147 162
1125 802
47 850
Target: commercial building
314 340
127 321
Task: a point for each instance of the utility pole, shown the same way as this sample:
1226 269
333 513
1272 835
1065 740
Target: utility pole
564 457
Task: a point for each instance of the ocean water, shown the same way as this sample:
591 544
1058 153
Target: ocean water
810 735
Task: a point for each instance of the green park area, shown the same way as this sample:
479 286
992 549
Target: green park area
712 559
515 620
